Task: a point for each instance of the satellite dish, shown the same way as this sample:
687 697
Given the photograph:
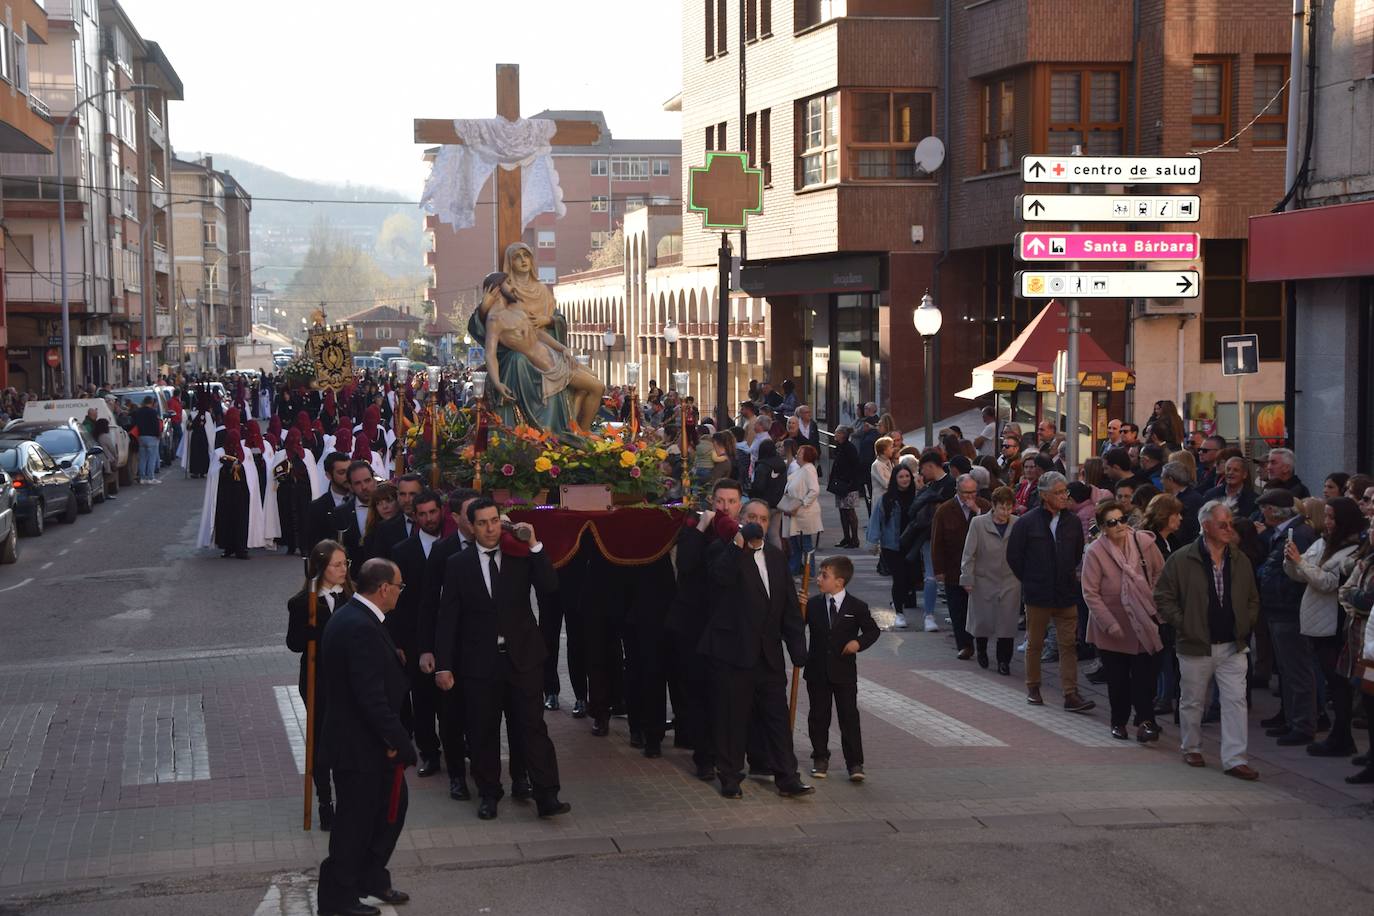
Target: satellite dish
929 156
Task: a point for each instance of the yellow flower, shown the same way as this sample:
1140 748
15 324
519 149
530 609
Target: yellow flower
494 439
661 454
542 464
627 459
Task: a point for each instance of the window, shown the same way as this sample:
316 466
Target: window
751 127
814 12
886 128
210 234
1211 101
765 18
999 125
717 30
820 140
599 167
659 200
1232 305
548 275
599 240
4 52
710 137
1271 101
634 203
600 203
766 145
1085 108
382 332
710 29
21 63
661 168
629 168
546 239
129 194
751 20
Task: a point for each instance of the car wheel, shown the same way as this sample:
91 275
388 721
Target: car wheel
112 484
9 551
73 507
34 527
87 505
100 495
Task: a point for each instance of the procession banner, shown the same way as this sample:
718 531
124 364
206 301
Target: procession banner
330 350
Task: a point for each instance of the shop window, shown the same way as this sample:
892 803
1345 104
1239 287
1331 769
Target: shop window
1211 101
886 126
1271 102
1233 305
1085 108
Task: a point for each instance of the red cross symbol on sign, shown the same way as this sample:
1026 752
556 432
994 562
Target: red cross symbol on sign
725 191
1058 168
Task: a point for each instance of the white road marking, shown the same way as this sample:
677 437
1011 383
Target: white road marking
919 720
64 551
16 585
78 540
165 740
291 708
295 894
46 565
1079 729
137 615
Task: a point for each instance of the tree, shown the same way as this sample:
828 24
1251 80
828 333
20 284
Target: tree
346 279
610 254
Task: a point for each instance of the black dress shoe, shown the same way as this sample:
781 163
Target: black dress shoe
795 789
1278 721
731 791
653 750
601 728
1328 748
579 709
486 809
1119 732
636 738
982 659
1294 739
1278 731
550 701
706 773
521 790
357 908
326 816
428 766
458 789
1004 668
552 807
392 896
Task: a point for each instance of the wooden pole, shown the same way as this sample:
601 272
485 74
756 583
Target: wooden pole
796 672
312 602
434 441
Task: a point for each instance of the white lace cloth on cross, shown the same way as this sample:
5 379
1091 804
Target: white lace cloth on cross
461 171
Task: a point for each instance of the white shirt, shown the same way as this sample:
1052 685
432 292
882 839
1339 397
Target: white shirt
763 571
485 563
361 511
338 500
1054 525
838 598
377 612
426 541
989 436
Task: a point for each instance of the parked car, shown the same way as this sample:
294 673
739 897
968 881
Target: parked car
132 398
124 461
74 450
9 521
43 487
370 363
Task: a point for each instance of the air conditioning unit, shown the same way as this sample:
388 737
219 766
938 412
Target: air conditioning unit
1180 308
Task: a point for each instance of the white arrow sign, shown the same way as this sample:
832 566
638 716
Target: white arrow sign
1108 208
1112 169
1108 284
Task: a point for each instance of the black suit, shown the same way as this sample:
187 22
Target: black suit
452 712
492 642
320 524
345 519
386 535
832 676
365 686
625 613
299 633
403 624
687 618
744 642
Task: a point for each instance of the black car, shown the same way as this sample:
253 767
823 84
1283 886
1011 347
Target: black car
73 449
9 521
43 486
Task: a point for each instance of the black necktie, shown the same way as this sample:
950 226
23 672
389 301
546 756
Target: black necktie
832 612
493 570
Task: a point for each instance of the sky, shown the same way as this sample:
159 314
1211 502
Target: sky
328 89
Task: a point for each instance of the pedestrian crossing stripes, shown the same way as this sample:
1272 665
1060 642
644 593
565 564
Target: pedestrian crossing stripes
291 708
919 720
164 740
1083 730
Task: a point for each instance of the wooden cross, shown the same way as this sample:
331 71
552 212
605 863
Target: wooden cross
570 133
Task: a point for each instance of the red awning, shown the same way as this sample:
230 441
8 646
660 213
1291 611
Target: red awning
1335 241
1034 350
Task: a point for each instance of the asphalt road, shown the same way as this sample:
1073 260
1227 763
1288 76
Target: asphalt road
128 581
1282 867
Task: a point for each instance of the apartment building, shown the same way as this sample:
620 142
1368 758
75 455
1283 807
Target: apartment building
202 261
601 182
115 156
383 326
1321 245
25 131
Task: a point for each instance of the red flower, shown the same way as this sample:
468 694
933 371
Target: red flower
635 471
553 471
508 470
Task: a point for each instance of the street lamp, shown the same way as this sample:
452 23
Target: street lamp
62 228
927 319
608 338
670 338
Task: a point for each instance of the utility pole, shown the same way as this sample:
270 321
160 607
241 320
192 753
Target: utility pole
1071 386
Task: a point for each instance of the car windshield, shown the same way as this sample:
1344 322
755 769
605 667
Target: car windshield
59 442
9 459
135 398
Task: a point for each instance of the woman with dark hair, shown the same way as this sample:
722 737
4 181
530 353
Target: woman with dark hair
801 508
326 574
891 514
770 480
1163 518
994 593
1169 424
846 480
1120 570
1335 485
1321 568
384 507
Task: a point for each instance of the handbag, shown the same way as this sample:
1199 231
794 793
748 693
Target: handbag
1364 676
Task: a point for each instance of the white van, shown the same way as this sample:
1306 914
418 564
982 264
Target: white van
75 409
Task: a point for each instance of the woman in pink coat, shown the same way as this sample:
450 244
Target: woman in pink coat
1119 572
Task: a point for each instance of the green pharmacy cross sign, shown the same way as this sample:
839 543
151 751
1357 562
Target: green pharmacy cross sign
725 191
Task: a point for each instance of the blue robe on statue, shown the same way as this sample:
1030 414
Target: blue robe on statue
552 414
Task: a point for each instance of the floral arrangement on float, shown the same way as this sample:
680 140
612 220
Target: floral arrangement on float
531 464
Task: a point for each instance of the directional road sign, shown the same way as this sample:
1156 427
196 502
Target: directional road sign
1239 354
1108 246
1108 284
1108 208
1112 169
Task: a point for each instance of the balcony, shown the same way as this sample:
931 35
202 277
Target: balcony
58 98
431 258
62 10
156 131
158 197
42 288
161 262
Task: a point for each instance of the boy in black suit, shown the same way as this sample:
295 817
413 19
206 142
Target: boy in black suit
840 628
